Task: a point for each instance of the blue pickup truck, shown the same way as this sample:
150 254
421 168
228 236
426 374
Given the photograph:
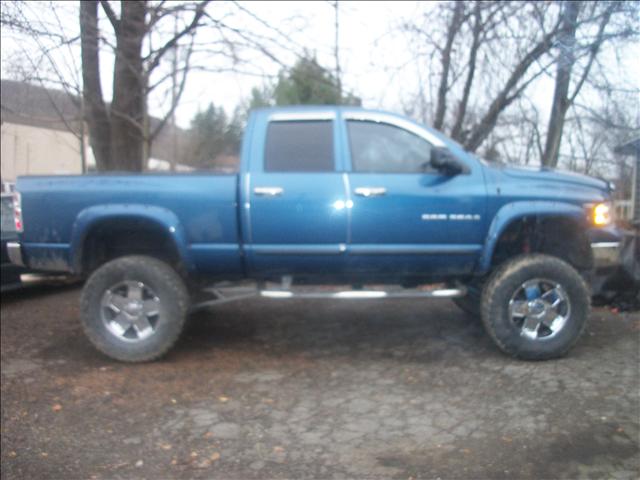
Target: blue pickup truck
329 202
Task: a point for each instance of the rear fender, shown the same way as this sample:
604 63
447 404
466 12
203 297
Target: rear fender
91 217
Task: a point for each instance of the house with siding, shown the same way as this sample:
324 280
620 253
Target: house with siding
42 133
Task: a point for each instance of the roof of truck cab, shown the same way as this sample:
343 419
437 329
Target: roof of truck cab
315 108
311 109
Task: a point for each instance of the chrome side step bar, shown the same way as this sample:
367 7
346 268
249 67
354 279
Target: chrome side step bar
366 294
228 292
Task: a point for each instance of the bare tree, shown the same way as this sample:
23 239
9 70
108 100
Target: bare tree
599 13
118 135
566 58
473 33
337 48
96 110
457 17
487 54
44 66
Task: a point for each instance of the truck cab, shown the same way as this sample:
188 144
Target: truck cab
352 192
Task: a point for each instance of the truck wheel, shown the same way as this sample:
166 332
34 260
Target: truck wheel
470 303
535 307
133 308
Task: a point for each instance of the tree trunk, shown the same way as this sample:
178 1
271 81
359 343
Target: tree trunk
561 101
454 26
96 111
456 131
127 108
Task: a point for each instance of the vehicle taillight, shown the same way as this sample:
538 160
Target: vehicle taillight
17 212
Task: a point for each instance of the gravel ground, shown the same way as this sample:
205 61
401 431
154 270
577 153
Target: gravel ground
315 389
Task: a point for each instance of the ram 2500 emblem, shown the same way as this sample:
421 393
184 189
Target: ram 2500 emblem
451 216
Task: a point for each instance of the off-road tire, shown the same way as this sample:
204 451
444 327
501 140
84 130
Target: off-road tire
471 302
504 282
173 298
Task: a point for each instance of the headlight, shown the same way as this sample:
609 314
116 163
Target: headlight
600 214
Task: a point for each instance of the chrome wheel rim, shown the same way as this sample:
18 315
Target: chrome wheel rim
540 308
130 311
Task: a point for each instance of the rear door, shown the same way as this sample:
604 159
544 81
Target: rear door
407 218
296 219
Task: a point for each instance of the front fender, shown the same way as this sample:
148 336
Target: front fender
516 210
90 217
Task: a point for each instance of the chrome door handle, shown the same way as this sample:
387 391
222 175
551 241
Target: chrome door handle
268 191
370 191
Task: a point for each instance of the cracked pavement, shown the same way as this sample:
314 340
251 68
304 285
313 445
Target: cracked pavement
315 389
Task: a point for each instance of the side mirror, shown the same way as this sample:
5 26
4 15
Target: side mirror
443 161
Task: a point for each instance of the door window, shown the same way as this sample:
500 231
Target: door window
299 146
383 148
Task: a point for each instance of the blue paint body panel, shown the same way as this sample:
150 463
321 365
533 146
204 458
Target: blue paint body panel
426 225
199 211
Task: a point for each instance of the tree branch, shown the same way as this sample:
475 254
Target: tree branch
158 54
111 15
593 51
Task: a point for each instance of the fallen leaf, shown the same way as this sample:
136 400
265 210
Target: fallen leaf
44 454
12 454
57 407
223 399
214 456
194 454
174 462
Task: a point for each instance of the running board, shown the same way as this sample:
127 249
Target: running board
226 292
367 294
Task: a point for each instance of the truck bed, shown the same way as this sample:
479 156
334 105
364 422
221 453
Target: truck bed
200 209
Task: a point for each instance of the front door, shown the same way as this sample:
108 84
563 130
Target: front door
407 218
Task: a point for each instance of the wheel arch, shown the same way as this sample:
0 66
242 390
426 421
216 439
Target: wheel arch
542 213
99 220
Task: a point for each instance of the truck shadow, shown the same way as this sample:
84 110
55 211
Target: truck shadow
40 290
421 330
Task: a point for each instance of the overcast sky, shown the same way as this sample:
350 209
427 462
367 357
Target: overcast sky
371 50
375 60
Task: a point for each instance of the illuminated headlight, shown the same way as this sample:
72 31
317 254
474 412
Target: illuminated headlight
600 214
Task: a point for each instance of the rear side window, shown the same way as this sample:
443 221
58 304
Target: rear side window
299 146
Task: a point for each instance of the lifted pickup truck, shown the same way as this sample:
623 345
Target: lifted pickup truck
330 202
